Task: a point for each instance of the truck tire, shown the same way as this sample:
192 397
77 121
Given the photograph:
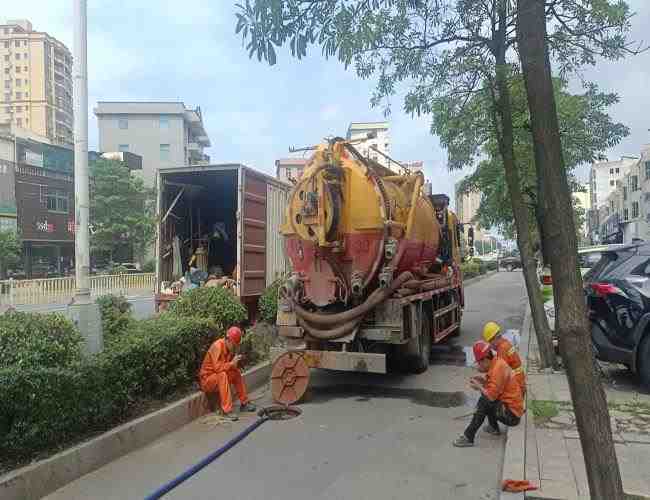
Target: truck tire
421 363
643 365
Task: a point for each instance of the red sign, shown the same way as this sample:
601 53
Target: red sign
71 227
44 227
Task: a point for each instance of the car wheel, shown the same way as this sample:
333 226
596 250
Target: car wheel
509 268
644 362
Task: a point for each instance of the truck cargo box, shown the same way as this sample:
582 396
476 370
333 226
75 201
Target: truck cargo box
234 213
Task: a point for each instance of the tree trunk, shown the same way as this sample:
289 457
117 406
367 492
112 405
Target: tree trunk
588 396
505 137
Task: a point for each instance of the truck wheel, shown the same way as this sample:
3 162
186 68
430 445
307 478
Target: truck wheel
644 363
421 363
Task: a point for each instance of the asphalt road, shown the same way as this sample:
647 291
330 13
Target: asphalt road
360 436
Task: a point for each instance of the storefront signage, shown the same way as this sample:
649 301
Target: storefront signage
44 226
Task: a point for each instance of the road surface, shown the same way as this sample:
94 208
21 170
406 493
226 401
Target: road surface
360 437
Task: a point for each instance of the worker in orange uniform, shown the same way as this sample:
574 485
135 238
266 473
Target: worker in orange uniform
220 368
504 349
500 400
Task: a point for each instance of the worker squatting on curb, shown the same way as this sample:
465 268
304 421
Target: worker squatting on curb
220 368
501 398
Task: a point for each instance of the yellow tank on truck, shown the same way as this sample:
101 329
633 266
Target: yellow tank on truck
352 225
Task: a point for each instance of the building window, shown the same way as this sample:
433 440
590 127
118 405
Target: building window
123 147
6 71
6 45
634 182
8 97
618 170
626 214
25 69
19 95
647 170
17 69
19 122
164 152
635 209
7 84
25 43
17 43
17 55
164 123
19 109
123 123
625 192
19 82
611 183
611 171
7 58
57 200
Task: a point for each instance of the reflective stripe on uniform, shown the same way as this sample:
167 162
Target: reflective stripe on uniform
518 370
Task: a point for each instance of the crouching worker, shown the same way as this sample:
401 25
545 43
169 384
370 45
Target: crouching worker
504 349
500 400
220 368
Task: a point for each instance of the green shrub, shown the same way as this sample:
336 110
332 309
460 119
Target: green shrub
116 314
44 407
256 343
268 303
470 269
38 341
149 266
215 304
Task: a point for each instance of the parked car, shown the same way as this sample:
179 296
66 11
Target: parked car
617 291
130 267
510 263
587 258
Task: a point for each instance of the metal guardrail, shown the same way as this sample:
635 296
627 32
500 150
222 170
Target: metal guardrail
59 290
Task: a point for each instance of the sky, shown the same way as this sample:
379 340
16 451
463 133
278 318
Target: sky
253 113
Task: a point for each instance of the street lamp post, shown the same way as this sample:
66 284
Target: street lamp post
84 312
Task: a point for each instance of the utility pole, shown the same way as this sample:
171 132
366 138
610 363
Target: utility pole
83 310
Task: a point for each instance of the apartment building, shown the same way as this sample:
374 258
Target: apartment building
467 205
379 141
289 170
164 134
36 76
603 175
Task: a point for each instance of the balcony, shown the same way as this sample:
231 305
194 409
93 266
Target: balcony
194 147
204 140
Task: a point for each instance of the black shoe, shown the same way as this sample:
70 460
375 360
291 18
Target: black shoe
462 442
230 416
491 430
248 407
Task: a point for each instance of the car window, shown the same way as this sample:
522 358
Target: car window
607 265
643 269
589 260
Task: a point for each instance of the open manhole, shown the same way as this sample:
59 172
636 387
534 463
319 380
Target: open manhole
280 412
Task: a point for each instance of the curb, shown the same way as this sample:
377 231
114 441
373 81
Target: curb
476 279
514 459
46 476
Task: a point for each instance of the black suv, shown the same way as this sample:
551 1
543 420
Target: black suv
618 300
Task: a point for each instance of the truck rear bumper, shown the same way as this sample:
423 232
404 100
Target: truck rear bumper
338 360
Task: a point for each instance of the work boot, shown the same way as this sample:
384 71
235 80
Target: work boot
248 407
462 442
230 416
491 430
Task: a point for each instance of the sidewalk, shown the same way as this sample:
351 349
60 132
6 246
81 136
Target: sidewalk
553 454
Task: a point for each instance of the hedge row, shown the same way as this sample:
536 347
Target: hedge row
476 267
50 405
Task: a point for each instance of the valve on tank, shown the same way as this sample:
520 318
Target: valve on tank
356 284
386 277
390 249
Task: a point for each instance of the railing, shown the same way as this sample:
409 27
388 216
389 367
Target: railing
61 290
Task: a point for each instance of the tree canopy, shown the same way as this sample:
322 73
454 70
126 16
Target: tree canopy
121 215
587 132
10 250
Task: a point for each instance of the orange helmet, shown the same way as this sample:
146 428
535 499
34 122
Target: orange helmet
234 335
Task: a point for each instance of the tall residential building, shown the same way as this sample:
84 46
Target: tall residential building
290 170
165 134
467 205
380 139
36 73
603 176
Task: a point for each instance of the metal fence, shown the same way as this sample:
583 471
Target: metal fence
61 290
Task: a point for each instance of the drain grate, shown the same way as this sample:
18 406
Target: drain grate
279 412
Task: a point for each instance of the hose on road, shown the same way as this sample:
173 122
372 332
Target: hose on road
270 413
166 488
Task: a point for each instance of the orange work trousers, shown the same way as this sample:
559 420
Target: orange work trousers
220 383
